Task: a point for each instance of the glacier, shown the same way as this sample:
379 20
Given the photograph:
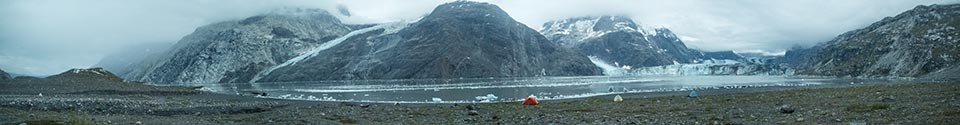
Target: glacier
389 28
715 67
609 70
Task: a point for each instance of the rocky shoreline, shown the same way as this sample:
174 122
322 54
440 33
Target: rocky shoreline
910 103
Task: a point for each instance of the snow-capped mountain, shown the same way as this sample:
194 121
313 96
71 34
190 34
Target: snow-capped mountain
98 73
621 47
457 40
915 43
620 41
234 51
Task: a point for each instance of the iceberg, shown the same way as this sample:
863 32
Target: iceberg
487 98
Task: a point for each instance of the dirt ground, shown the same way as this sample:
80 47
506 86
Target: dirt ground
912 103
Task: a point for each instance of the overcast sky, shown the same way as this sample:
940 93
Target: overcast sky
42 37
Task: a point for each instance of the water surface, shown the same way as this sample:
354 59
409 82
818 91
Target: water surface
507 89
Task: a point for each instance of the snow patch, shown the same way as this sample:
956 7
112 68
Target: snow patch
389 28
609 70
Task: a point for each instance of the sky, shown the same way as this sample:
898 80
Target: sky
43 37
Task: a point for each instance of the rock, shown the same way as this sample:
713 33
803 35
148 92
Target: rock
364 105
858 123
473 112
786 109
472 107
887 99
255 93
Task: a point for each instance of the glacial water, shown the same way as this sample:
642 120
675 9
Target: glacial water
476 90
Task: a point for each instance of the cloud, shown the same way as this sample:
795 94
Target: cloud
49 36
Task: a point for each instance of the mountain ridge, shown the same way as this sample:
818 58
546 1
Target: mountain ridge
914 43
473 39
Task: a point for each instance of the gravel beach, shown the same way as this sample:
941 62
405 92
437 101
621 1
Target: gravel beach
119 102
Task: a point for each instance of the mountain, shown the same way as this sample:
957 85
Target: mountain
620 47
915 43
234 51
92 80
723 55
459 39
620 41
91 73
4 75
133 57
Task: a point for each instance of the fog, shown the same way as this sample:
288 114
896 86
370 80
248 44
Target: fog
42 37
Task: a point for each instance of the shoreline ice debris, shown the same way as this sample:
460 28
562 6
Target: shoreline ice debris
437 100
487 98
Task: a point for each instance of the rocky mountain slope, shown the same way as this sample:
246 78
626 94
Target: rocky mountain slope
620 41
234 51
723 55
4 75
91 81
133 57
915 43
457 40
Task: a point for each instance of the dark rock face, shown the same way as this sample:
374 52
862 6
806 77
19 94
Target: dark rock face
234 51
4 75
617 39
458 39
729 55
915 43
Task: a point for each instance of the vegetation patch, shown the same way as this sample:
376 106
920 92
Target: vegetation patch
867 107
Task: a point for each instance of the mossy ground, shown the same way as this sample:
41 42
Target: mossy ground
913 103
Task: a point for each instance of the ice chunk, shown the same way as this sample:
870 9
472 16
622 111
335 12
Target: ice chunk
487 98
437 100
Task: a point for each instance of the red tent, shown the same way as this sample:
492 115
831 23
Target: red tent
531 100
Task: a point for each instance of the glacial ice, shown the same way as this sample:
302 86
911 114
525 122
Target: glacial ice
388 27
609 70
487 98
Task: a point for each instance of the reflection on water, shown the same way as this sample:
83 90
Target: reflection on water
501 89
